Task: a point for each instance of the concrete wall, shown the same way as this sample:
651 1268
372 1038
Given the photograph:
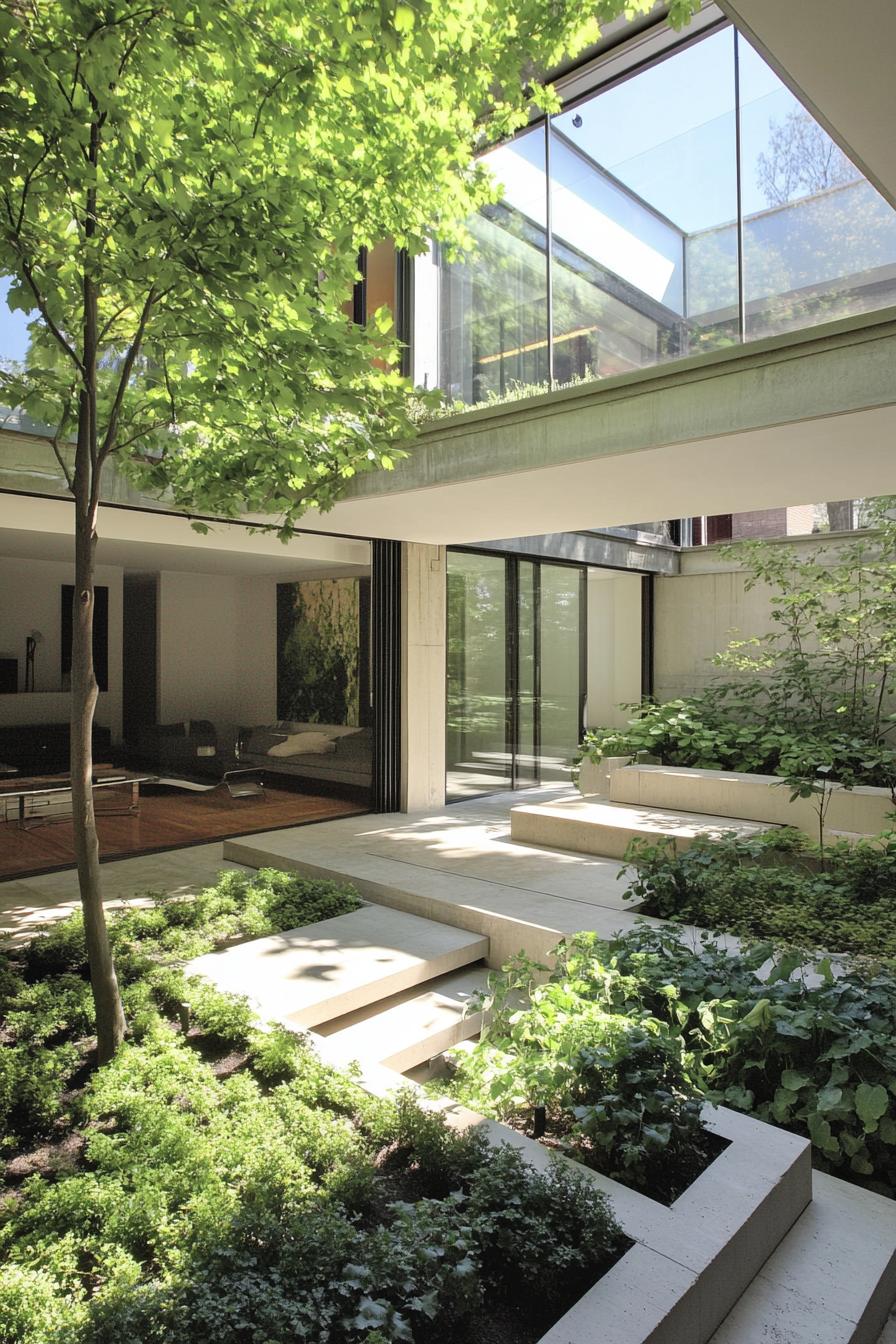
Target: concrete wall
217 648
699 611
30 599
614 646
423 584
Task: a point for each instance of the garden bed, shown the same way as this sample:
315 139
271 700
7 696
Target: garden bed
221 1182
778 886
813 1052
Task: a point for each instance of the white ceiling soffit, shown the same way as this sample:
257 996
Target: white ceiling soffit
41 529
838 60
834 457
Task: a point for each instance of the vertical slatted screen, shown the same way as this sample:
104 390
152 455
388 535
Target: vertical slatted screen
386 631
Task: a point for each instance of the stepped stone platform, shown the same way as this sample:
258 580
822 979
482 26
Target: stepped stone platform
863 810
830 1281
594 826
413 1027
322 971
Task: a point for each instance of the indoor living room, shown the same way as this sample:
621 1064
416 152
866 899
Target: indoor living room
234 687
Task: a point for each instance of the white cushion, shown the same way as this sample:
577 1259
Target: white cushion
303 744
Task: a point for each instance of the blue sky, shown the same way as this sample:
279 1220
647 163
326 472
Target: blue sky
669 132
13 328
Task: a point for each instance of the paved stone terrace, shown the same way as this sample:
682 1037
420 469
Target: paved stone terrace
460 855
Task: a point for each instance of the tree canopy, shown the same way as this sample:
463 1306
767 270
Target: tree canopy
202 176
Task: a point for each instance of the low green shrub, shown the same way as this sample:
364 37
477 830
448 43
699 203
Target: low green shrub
772 886
45 997
609 1085
281 1202
210 1208
722 729
175 927
813 1052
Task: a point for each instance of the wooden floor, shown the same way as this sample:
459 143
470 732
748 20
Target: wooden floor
167 820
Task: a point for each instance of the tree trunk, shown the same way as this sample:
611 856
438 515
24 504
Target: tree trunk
110 1022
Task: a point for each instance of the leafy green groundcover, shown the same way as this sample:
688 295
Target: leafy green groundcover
228 1186
604 1082
772 886
815 1054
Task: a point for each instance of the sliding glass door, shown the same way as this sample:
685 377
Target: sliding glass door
515 672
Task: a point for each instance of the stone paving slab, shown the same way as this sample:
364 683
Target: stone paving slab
831 1281
414 1026
590 827
319 972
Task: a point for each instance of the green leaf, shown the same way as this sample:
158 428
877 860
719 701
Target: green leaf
871 1103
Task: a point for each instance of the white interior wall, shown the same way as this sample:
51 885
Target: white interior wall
217 648
614 646
30 599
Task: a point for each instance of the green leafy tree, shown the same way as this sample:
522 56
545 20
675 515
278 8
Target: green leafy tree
184 187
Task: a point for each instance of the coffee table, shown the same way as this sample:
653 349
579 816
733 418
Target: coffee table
23 793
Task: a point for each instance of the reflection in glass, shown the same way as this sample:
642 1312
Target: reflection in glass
527 673
477 759
629 191
646 261
560 671
819 241
516 632
493 304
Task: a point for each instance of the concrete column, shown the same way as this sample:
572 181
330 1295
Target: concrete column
614 646
423 589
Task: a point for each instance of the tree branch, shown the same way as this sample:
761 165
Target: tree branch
124 378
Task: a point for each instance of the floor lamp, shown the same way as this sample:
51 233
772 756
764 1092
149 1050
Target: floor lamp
31 642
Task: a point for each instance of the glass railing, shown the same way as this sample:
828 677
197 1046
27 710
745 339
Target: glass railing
694 206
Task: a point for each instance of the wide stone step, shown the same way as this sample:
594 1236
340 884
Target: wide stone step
832 1280
412 1027
322 971
587 826
760 798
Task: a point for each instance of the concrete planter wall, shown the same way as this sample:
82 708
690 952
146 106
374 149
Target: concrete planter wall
594 778
763 798
691 1261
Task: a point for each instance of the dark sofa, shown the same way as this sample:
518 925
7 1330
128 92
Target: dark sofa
349 763
199 747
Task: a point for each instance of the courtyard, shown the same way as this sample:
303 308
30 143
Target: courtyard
447 673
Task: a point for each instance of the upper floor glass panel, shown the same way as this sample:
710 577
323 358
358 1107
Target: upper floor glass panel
692 206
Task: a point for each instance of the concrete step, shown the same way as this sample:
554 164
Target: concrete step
832 1280
758 798
412 1027
589 826
323 971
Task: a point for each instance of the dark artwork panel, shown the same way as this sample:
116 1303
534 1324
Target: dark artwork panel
100 635
322 660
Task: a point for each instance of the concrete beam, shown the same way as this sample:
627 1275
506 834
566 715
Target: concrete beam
787 420
598 549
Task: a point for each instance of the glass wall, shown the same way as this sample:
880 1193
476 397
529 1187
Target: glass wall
515 672
656 247
493 324
628 188
477 675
